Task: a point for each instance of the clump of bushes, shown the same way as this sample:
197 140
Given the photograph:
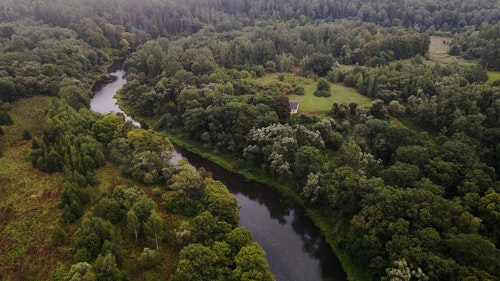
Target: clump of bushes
323 88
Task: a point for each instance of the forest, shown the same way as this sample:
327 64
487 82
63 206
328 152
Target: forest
408 185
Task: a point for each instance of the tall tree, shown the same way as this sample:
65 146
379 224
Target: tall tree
155 227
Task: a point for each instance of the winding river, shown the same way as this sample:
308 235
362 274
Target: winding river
295 247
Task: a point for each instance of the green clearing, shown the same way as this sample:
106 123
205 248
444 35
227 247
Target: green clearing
438 49
493 75
438 52
340 94
309 103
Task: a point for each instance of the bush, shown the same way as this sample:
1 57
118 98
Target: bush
5 118
299 90
149 258
26 135
321 93
58 236
323 85
82 255
352 79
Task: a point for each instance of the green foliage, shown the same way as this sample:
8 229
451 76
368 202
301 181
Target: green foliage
143 208
75 97
220 203
251 264
323 85
400 174
26 135
105 268
472 249
185 191
479 44
321 93
5 118
81 271
307 160
155 228
89 239
238 238
318 64
203 229
196 263
144 155
133 224
72 199
425 199
40 60
149 258
109 209
58 236
106 128
8 92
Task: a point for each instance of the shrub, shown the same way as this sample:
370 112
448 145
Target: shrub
299 90
323 85
58 236
321 93
149 258
5 118
26 135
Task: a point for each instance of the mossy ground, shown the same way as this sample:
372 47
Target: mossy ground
28 209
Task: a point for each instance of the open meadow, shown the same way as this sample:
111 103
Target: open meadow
309 103
29 197
493 75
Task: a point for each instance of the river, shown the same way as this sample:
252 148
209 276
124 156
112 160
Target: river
296 250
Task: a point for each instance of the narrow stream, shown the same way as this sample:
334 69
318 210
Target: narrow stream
295 247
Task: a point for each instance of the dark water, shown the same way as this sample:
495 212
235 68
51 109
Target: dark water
295 247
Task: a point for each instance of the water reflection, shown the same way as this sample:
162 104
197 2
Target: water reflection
103 100
296 249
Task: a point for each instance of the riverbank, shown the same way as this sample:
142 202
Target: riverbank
234 165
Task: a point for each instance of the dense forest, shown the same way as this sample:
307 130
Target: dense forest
408 185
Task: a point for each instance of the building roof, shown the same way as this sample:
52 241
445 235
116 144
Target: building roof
294 106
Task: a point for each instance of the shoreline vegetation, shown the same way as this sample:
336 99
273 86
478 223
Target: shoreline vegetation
438 50
395 147
230 164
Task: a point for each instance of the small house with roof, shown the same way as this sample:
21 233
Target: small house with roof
294 107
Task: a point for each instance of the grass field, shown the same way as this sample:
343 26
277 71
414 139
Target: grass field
493 75
309 103
29 198
438 50
340 94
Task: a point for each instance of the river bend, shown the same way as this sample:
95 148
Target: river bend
296 249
